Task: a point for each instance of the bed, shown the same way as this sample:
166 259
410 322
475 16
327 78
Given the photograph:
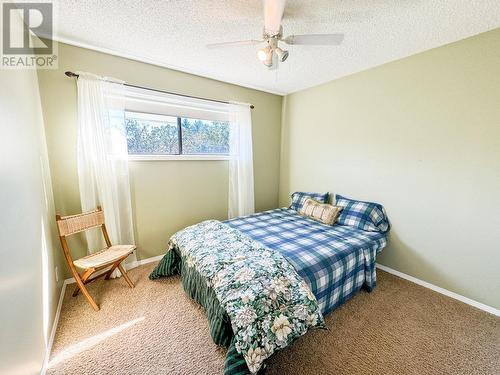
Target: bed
332 262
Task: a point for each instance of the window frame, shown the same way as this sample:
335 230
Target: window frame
154 157
139 104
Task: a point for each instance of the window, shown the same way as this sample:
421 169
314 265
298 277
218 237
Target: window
149 134
204 137
165 127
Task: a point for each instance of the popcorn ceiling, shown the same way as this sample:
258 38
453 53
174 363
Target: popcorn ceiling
174 34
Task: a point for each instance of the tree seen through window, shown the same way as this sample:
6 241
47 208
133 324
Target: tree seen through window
150 134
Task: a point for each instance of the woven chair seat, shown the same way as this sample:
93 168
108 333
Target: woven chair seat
103 257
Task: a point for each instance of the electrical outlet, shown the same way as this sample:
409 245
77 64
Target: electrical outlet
57 274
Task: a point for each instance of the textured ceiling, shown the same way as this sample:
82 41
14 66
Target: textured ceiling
174 34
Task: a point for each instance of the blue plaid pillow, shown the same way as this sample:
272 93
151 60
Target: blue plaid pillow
363 215
299 197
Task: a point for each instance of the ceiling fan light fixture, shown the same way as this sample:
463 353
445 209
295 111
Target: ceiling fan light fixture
269 61
282 54
263 53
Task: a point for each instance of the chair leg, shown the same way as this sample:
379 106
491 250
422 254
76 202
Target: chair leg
125 276
85 276
76 275
113 267
86 293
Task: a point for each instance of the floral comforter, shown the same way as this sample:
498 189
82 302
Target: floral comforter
268 303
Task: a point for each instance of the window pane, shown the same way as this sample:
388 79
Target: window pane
204 137
151 134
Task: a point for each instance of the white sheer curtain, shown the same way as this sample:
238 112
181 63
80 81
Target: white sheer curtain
241 189
102 158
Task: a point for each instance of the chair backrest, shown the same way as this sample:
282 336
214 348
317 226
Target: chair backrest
68 225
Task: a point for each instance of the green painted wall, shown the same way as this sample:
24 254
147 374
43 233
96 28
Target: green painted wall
167 195
421 136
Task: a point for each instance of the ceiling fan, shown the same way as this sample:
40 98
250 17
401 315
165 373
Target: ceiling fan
273 35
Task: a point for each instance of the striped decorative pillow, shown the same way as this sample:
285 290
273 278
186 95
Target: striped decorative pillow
322 212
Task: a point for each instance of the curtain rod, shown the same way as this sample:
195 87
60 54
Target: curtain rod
74 75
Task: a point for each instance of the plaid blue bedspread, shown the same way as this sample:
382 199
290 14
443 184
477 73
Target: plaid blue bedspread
336 261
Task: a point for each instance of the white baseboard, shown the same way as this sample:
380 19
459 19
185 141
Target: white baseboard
438 289
141 262
54 327
71 280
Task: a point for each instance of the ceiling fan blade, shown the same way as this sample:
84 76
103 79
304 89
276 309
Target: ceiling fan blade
315 39
273 13
234 44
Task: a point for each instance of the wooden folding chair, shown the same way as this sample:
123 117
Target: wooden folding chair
112 256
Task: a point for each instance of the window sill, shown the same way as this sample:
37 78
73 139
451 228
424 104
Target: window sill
176 157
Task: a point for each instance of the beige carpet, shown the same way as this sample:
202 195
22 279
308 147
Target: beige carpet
399 328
